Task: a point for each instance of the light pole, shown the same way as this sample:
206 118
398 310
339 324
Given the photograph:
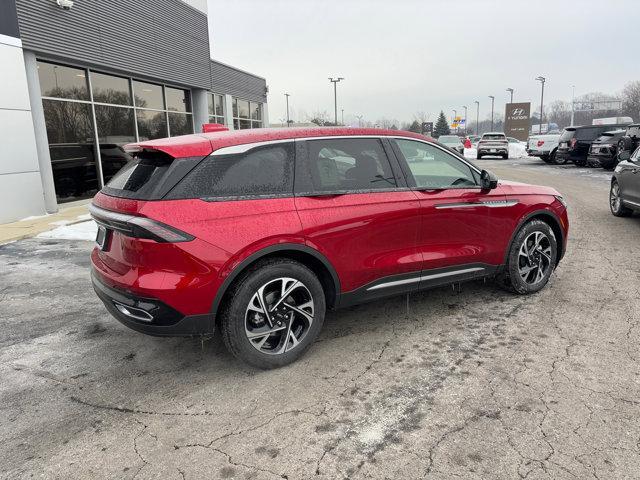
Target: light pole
359 117
510 90
477 115
541 80
573 103
287 97
335 96
454 119
342 116
465 119
493 99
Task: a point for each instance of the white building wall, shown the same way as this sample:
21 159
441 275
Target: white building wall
20 184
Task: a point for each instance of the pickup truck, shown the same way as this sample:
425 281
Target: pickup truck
544 146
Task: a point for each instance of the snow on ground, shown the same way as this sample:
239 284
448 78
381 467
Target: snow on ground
78 231
516 150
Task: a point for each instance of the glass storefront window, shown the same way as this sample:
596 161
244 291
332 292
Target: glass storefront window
151 124
115 128
110 89
62 82
148 95
246 114
180 124
71 146
177 100
216 108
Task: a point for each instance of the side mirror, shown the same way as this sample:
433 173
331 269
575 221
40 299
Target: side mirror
488 181
624 155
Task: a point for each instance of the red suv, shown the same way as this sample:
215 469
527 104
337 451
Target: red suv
258 232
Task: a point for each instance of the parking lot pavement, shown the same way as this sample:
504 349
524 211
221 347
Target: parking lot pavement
474 384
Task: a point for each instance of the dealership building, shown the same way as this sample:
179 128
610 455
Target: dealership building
82 78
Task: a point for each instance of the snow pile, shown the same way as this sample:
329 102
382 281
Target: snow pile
86 230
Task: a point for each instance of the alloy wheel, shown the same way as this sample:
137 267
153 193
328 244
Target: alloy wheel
614 197
279 316
534 258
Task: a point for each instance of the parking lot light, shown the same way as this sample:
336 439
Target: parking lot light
335 96
477 114
493 99
541 79
510 90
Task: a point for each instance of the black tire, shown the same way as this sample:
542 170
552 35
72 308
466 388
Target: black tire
617 209
513 277
580 162
610 166
552 157
546 159
559 160
235 313
478 156
505 157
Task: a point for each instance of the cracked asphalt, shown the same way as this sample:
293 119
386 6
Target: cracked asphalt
476 383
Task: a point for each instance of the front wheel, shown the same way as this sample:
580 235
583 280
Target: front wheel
615 202
532 258
273 314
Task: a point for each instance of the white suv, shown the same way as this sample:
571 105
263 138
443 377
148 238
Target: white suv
493 143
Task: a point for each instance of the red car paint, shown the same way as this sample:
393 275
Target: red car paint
364 236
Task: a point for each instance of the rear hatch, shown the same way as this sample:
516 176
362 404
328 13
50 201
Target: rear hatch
606 143
567 139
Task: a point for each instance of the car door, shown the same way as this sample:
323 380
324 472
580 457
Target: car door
357 210
628 175
457 234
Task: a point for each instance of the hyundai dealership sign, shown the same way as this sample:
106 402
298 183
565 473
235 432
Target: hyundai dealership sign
517 118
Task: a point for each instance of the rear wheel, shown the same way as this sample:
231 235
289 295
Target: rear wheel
532 258
615 202
552 157
273 314
478 156
560 160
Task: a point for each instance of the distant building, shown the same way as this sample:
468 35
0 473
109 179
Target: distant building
79 82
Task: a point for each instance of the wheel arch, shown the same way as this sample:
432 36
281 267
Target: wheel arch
549 218
304 254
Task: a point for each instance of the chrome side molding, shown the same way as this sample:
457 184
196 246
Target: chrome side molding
421 278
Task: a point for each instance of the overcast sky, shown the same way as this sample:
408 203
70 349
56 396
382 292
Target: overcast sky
400 57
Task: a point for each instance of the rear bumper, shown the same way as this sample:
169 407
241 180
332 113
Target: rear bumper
493 150
601 160
150 315
538 153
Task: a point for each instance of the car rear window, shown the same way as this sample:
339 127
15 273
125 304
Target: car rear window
139 178
261 172
567 134
588 134
493 137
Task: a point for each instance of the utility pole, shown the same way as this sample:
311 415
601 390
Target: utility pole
541 80
465 119
477 115
342 116
287 97
573 103
510 90
335 96
493 99
359 117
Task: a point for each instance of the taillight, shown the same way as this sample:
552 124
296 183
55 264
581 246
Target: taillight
540 143
138 227
572 143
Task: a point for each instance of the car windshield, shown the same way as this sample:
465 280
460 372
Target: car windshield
492 136
449 139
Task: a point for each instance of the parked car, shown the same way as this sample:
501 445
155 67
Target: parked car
624 196
493 143
544 146
604 150
631 139
254 234
453 142
575 142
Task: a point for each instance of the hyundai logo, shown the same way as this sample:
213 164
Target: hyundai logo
517 112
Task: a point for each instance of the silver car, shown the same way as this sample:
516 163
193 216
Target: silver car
452 142
493 143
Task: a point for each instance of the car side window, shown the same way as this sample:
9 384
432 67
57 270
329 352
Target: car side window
433 168
262 171
358 164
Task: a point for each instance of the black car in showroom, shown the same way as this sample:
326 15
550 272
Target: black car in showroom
575 142
604 150
624 196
